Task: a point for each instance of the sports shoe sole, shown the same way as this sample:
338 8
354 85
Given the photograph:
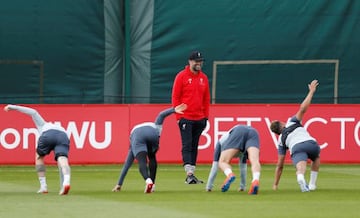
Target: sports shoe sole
227 183
65 190
306 189
312 188
43 192
254 189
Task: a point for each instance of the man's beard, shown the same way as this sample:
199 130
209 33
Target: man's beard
196 68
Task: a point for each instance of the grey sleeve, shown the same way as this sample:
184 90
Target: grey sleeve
36 117
212 175
129 160
243 170
243 157
243 174
162 115
217 151
214 167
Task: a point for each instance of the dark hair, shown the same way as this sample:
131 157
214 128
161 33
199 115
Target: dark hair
275 127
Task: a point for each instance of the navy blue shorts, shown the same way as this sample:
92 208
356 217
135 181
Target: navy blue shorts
305 150
53 140
242 137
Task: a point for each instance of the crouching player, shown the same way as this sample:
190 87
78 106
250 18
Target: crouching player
144 144
215 166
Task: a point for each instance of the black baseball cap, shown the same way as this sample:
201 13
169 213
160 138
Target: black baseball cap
196 56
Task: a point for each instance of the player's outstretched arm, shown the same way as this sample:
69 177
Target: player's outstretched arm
22 109
307 101
129 161
6 108
37 118
163 114
180 108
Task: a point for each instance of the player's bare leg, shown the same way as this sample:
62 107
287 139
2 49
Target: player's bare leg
314 173
225 166
64 167
253 155
300 172
41 172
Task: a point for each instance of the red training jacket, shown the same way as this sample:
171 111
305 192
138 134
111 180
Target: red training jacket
193 90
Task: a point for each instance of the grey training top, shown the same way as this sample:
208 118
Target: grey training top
40 123
297 136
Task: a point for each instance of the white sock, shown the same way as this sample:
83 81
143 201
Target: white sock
192 167
61 176
227 171
301 178
189 169
66 180
313 178
42 181
256 176
148 181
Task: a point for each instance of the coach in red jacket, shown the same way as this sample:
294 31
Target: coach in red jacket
191 86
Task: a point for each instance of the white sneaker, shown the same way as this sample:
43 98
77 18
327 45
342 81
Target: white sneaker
42 190
312 187
64 190
153 188
304 187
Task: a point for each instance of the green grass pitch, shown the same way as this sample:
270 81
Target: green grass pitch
338 194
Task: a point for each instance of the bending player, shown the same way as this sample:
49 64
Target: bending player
52 138
215 166
302 146
240 139
144 143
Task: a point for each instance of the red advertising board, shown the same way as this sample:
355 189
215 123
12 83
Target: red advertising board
99 134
